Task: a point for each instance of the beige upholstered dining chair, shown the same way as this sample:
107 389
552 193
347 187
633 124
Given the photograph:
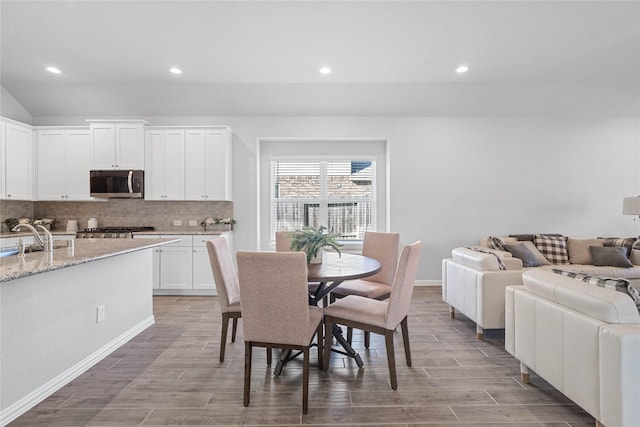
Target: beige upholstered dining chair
224 274
276 311
283 244
380 317
383 247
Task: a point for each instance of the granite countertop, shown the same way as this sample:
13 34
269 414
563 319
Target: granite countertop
85 250
183 232
28 233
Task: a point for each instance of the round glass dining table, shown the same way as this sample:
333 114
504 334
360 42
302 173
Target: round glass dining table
329 274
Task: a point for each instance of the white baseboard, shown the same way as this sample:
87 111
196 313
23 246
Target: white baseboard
428 282
38 395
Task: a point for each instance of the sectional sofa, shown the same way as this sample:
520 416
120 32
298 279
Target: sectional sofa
474 279
582 339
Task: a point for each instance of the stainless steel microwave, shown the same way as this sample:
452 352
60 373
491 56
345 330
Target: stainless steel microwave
116 184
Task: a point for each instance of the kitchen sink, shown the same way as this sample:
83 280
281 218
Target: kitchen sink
4 252
8 252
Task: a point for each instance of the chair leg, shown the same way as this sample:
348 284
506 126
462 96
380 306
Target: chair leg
391 358
319 339
479 333
328 336
305 381
367 339
223 337
452 312
234 329
405 338
247 372
349 335
269 356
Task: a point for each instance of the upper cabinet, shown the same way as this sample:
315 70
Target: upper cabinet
16 146
117 145
164 164
208 164
64 161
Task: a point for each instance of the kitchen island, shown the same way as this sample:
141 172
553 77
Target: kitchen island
62 312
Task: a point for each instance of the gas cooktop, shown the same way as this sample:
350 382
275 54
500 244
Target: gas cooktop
111 232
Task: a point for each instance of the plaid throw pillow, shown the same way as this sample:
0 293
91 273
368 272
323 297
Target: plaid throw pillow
501 265
554 248
617 284
619 243
496 243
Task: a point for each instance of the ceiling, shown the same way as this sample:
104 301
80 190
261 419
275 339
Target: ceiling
389 58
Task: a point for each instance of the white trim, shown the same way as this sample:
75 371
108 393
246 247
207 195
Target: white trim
38 395
428 282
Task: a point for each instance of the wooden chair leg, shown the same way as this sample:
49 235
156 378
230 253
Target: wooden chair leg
234 329
305 380
319 339
328 336
479 333
391 358
405 338
247 372
269 356
349 335
223 337
524 373
367 339
452 312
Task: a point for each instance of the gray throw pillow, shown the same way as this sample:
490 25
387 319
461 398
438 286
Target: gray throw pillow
520 251
610 256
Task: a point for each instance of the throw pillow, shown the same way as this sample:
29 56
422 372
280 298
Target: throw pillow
520 251
532 248
554 248
501 265
578 250
619 242
615 257
496 243
617 284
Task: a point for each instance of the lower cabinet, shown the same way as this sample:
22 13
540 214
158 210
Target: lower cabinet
183 268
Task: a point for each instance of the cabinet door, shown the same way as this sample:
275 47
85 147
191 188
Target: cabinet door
129 146
104 153
19 162
174 142
156 259
195 164
217 166
154 161
176 268
52 165
3 188
202 274
78 158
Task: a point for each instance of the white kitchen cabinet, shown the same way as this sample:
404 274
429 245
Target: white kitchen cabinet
117 145
17 160
208 164
64 161
183 268
164 162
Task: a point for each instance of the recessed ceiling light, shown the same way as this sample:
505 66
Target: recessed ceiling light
462 69
325 70
53 70
175 70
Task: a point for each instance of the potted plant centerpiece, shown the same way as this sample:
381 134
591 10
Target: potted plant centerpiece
313 241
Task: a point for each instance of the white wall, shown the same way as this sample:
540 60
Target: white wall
453 180
12 109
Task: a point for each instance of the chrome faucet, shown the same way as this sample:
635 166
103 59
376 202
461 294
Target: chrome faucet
46 243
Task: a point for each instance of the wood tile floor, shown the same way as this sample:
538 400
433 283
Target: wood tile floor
170 375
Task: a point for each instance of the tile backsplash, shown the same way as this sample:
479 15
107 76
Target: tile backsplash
120 212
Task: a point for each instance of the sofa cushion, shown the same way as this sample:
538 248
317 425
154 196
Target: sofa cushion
522 252
578 250
619 242
616 284
532 248
613 256
554 248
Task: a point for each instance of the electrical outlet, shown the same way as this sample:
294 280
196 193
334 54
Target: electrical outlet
100 314
193 222
177 223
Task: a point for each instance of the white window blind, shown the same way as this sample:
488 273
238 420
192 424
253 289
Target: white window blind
340 195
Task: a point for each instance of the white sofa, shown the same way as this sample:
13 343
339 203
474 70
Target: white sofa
473 284
582 339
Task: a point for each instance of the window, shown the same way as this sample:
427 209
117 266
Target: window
340 194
